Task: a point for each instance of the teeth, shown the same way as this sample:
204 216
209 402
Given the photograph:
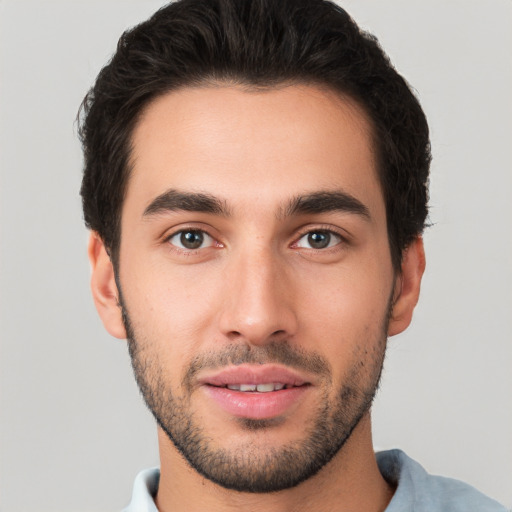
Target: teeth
261 388
265 388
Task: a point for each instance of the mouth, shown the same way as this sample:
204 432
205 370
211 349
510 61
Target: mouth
256 392
259 388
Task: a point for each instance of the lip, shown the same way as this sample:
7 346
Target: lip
255 405
250 374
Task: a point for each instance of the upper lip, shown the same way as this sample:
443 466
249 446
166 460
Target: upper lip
251 374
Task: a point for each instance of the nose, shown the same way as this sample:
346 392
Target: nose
258 304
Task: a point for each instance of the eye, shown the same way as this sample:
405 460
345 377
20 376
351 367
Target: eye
320 239
191 239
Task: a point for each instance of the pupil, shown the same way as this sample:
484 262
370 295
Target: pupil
191 239
319 240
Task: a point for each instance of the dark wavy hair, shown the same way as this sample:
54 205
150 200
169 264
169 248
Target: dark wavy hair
261 43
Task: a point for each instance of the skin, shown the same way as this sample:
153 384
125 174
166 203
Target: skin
257 280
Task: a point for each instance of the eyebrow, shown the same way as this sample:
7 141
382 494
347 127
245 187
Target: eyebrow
325 201
312 203
174 200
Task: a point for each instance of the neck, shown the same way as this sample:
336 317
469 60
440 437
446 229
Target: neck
350 481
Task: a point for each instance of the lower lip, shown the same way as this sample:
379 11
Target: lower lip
254 405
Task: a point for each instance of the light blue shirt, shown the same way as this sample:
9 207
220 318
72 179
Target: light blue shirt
416 490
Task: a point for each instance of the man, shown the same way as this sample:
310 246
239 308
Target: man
256 188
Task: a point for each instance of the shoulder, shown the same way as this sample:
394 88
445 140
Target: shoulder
418 491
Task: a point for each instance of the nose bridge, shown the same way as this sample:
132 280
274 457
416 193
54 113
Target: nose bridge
258 306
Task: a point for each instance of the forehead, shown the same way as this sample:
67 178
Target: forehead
256 147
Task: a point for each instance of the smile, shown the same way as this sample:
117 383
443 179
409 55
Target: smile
259 388
256 392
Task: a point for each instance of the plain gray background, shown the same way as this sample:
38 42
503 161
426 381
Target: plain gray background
74 431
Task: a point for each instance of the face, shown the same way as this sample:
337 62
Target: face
255 278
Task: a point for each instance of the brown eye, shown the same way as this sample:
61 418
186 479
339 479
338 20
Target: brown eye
319 240
191 239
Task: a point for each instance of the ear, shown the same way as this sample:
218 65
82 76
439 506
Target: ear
104 287
407 287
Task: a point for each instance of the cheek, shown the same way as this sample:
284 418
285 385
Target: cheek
346 300
172 310
346 318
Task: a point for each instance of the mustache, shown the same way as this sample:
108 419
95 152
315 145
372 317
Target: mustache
277 352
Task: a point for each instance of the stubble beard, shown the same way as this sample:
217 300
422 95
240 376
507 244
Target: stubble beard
249 469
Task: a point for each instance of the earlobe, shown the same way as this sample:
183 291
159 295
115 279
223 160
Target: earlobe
104 287
407 287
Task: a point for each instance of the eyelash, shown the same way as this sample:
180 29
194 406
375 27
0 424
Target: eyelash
185 251
322 229
305 232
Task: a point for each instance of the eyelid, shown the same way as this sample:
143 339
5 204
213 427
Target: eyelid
333 242
171 233
326 228
209 240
